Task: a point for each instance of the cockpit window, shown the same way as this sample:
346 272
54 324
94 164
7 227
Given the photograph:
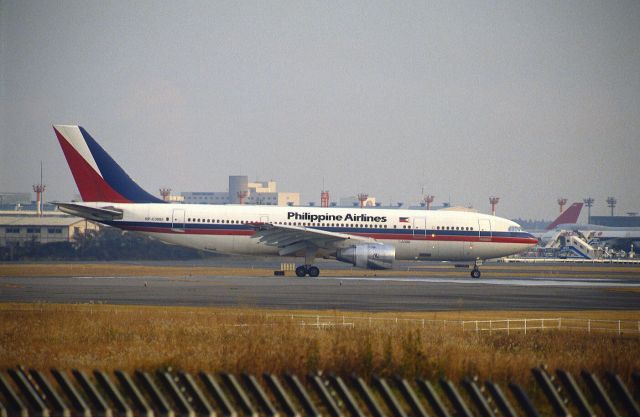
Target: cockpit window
515 229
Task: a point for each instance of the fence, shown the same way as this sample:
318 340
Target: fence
524 325
166 393
500 325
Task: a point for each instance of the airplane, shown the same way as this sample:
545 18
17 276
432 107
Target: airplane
618 238
365 238
569 216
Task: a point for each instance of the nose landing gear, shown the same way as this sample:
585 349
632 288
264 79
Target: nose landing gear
475 272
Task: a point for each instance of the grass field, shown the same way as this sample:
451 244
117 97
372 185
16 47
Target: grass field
238 339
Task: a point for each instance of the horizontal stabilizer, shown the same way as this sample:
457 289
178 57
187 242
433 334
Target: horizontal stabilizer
90 213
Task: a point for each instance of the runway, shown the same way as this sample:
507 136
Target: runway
336 293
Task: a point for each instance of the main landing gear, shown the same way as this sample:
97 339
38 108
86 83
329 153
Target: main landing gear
311 270
475 272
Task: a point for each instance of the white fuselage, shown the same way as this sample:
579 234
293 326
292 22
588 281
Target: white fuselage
415 234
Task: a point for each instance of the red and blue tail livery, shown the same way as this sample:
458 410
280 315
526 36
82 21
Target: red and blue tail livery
97 175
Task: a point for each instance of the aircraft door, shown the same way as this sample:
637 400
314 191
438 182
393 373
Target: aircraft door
419 227
484 229
264 218
177 220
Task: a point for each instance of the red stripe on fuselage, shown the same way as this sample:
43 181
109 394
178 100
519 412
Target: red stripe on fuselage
91 185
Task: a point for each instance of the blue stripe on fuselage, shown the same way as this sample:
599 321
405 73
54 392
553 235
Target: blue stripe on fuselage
345 230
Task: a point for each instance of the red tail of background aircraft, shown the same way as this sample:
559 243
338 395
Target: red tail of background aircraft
568 216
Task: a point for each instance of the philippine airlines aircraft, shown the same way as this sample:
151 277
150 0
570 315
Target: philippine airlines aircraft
367 238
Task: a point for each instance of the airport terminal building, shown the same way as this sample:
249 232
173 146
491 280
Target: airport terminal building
616 221
241 191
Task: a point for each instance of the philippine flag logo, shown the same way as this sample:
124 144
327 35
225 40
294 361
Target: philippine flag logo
404 220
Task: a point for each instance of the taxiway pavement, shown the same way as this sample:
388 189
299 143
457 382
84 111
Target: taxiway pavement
358 294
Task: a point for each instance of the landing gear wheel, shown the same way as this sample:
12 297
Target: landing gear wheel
475 273
313 271
301 271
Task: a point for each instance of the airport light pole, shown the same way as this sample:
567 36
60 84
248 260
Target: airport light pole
428 199
165 193
561 202
39 190
362 197
589 203
611 202
494 202
324 198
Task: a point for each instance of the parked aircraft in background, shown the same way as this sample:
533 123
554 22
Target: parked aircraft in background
366 238
569 216
618 238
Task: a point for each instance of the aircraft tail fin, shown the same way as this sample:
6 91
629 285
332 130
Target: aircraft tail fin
97 175
568 216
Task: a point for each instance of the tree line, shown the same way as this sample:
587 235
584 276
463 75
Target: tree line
108 243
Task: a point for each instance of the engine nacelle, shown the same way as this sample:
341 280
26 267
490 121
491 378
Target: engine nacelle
368 255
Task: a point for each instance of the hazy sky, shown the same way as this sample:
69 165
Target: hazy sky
527 100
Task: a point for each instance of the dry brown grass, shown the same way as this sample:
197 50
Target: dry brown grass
225 339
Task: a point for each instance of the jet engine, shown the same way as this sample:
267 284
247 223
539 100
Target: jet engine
368 255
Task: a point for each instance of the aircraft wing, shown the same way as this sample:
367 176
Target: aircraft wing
292 239
91 213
